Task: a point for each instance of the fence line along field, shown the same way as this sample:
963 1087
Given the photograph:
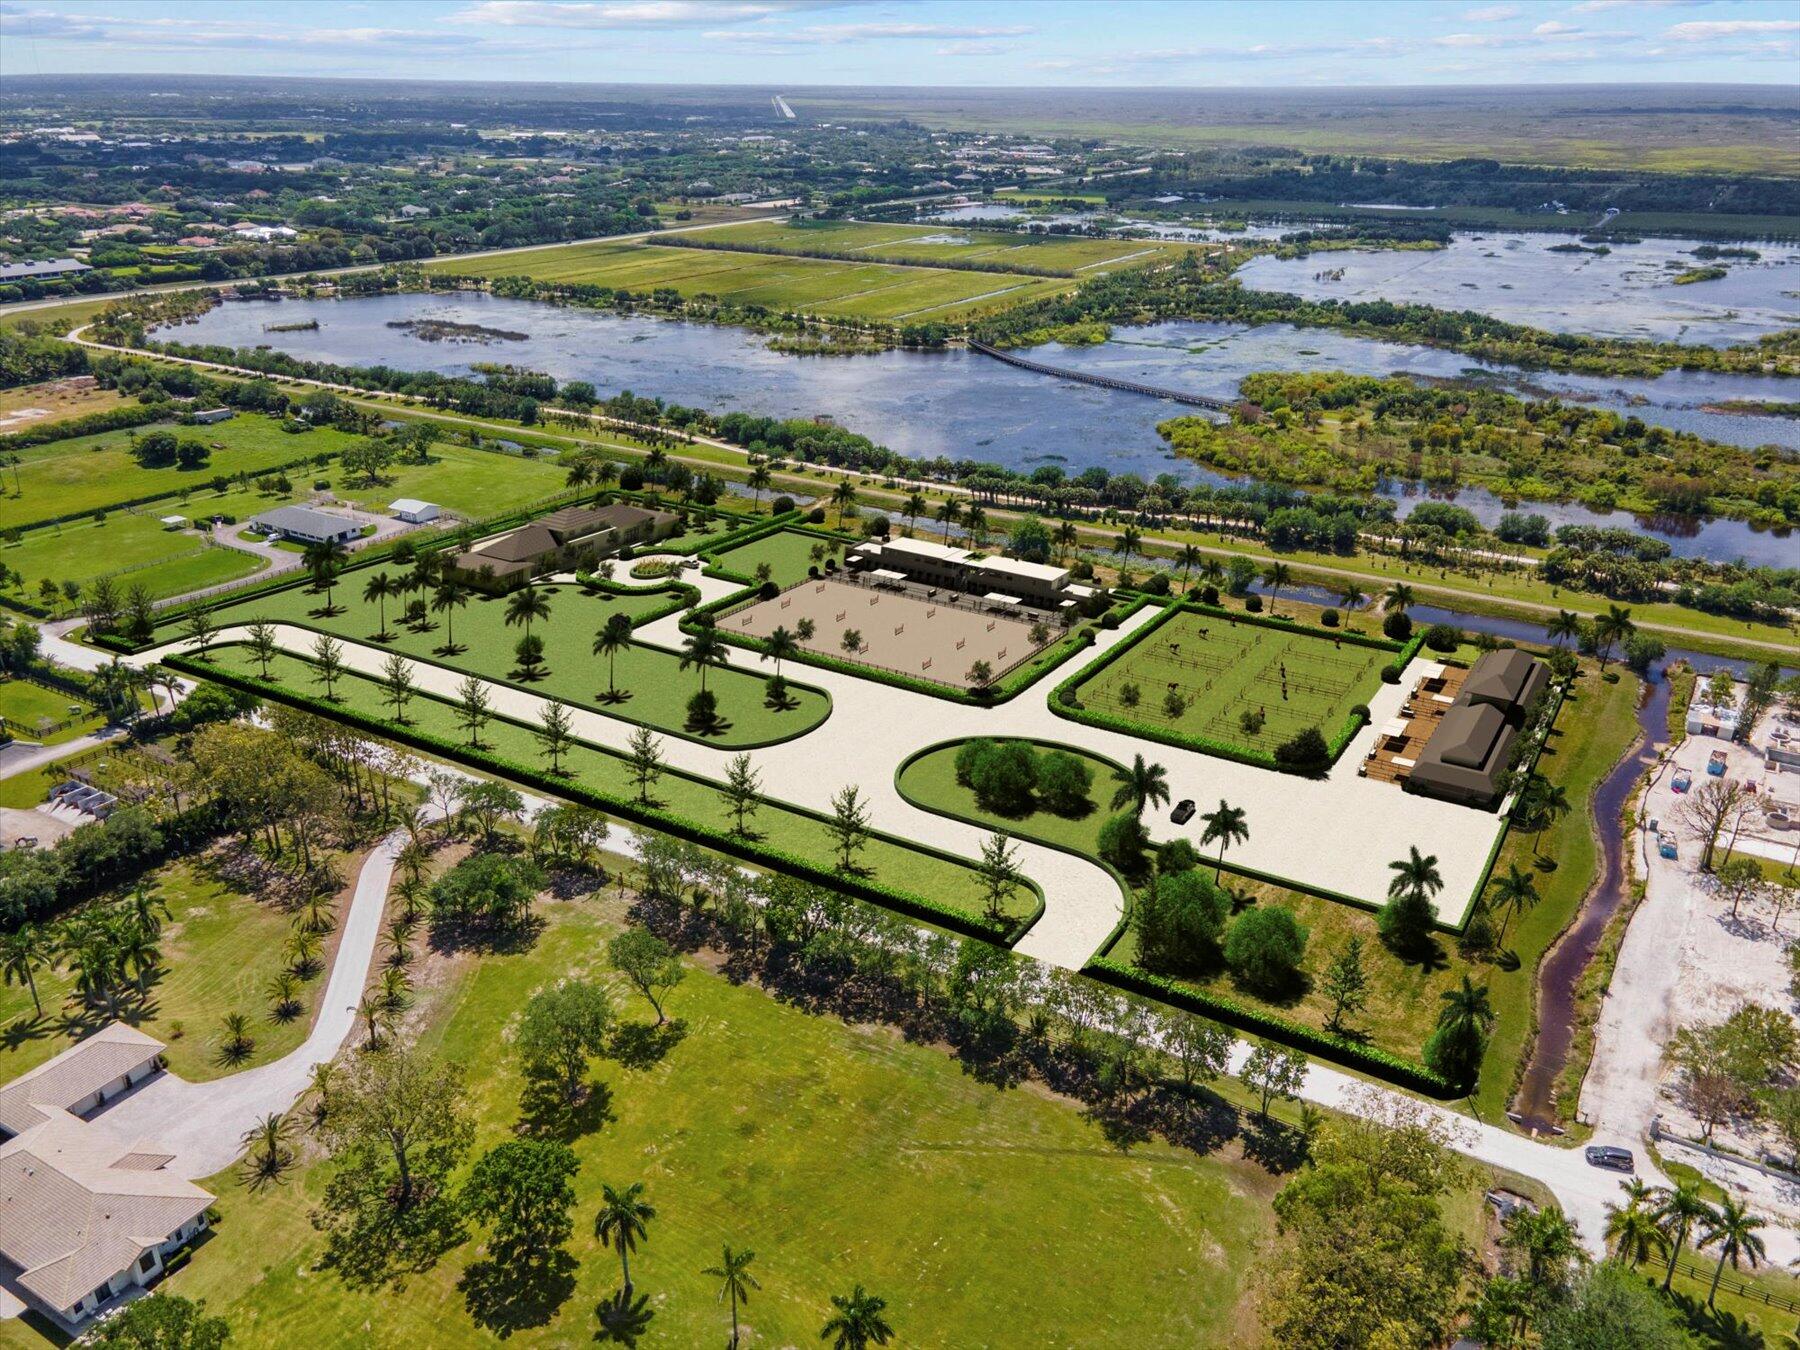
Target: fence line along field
1242 684
929 639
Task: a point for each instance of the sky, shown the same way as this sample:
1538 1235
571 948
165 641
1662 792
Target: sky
1126 43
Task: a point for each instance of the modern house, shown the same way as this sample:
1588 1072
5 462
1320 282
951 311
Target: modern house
413 511
1707 718
1470 750
959 569
304 525
568 537
87 1216
42 271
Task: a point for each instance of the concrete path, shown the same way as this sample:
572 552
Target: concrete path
203 1124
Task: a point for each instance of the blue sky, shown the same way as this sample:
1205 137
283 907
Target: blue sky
930 42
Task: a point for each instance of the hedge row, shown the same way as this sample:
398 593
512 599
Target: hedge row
1379 1063
89 424
652 817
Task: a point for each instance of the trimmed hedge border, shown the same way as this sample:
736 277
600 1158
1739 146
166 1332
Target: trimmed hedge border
1381 1064
1075 712
667 822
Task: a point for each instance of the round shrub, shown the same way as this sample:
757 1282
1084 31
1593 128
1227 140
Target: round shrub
1305 753
1441 637
1360 710
1397 626
1390 674
782 505
768 591
631 478
1109 620
1209 594
1063 783
1121 843
1253 604
1329 618
1003 775
1265 947
877 527
816 516
1157 583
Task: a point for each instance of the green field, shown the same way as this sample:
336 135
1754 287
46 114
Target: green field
788 553
997 249
658 689
890 862
86 473
220 947
871 291
804 1139
473 484
1223 671
132 549
26 705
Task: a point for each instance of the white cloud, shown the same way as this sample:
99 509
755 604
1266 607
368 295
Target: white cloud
1597 6
626 13
1491 14
833 35
1707 30
1554 29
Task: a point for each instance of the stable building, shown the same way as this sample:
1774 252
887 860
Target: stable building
413 511
1468 758
1002 579
304 525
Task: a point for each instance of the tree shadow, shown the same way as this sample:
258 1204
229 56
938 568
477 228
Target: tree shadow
546 1113
1714 1326
510 1291
1275 1146
623 1319
707 726
643 1045
535 675
614 696
450 649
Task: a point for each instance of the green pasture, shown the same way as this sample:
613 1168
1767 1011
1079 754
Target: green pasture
28 704
924 244
1222 670
473 484
788 553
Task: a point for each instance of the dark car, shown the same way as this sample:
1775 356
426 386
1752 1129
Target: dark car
1183 812
1605 1155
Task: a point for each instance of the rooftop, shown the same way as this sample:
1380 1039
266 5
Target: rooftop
303 519
77 1072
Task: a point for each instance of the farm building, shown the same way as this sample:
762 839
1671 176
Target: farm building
304 525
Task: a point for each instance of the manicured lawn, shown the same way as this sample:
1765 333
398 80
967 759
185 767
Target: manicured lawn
220 948
133 549
930 782
789 553
943 243
840 1154
27 704
1221 672
473 484
659 689
89 472
887 861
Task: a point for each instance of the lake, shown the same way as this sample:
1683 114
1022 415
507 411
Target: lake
960 405
1626 293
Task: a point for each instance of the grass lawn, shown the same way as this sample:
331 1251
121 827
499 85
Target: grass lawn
1222 672
85 473
925 244
659 689
474 484
840 1154
133 549
220 948
58 400
789 553
890 861
112 766
873 290
27 704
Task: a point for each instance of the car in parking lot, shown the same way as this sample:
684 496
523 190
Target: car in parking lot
1606 1155
1183 812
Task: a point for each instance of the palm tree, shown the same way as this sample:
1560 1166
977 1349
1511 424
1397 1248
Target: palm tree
779 646
1466 1011
1678 1209
527 604
858 1322
976 519
1631 1229
1397 599
1127 544
1566 626
1224 827
374 1013
1514 893
759 480
1275 576
1067 536
267 1155
23 953
704 647
238 1042
1549 804
1139 786
612 639
1415 875
1350 595
1190 559
449 597
1732 1228
916 506
324 560
843 496
948 513
621 1222
735 1282
1610 628
378 588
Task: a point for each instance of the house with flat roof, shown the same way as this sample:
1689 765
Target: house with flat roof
1469 756
930 564
564 538
304 525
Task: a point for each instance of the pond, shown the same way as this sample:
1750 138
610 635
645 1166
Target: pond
960 405
1627 292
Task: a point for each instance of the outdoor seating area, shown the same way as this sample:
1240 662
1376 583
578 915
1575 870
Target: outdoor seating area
1401 740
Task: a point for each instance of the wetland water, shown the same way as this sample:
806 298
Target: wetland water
1628 292
960 405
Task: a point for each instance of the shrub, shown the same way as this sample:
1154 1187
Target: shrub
1305 753
782 505
1122 842
1329 618
1360 710
1405 922
1253 604
1209 594
1455 1052
1397 625
1265 948
768 591
1178 855
1109 620
1063 783
1157 583
1441 637
1003 777
631 478
1179 921
1390 674
703 712
816 516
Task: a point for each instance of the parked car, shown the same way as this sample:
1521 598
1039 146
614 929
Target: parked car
1606 1155
1183 812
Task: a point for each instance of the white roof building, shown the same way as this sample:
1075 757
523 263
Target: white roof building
414 511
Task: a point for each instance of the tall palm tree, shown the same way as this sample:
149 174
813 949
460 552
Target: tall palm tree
857 1322
1514 893
378 588
976 519
1566 626
948 513
1467 1010
449 597
759 481
916 506
1397 598
779 646
622 1222
1190 559
1416 875
843 496
704 647
1611 628
1732 1229
1350 596
1549 804
1678 1209
526 604
1067 536
1631 1228
1275 576
1139 786
613 637
323 561
1127 544
1224 827
735 1282
23 953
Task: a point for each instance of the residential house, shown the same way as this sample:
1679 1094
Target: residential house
304 525
1469 755
563 538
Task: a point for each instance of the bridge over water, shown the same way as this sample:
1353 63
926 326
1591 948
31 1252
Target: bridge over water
1102 381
